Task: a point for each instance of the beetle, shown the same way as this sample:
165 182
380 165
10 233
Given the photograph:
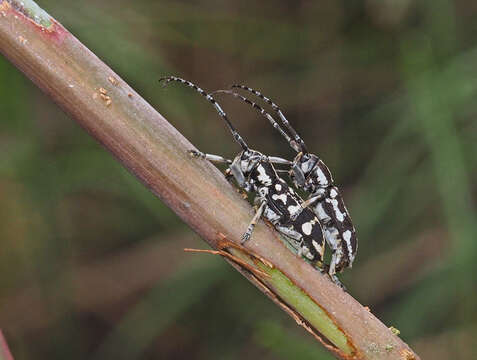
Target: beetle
309 173
275 200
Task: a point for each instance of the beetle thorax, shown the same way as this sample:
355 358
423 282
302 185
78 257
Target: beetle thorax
302 167
264 175
307 162
319 177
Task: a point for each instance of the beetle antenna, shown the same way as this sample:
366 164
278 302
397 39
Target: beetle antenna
262 111
275 107
221 112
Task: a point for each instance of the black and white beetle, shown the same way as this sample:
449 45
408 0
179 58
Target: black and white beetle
276 201
309 172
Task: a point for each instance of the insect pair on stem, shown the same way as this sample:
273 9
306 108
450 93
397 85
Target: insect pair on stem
305 224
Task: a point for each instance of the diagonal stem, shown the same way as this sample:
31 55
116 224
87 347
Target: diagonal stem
152 149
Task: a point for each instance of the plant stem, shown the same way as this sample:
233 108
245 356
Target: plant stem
152 149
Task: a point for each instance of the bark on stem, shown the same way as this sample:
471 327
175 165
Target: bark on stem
146 144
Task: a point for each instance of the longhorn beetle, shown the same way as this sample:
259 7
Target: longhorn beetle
276 201
309 172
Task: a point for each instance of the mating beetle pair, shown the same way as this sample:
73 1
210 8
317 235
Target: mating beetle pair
305 224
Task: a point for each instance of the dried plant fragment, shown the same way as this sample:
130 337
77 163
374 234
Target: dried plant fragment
113 81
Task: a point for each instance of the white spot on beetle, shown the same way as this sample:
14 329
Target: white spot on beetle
306 228
320 175
340 216
317 246
282 197
263 176
307 253
263 191
278 187
292 209
322 215
347 238
347 235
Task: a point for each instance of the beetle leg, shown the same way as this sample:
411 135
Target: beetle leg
210 157
246 236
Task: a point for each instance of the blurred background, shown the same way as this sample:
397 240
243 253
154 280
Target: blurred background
91 263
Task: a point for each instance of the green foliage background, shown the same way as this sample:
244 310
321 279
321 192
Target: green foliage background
91 264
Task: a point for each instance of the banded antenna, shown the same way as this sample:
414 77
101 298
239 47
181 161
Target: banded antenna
260 110
283 119
221 112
